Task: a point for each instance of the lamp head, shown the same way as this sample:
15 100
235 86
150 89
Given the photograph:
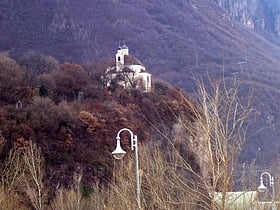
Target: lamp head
262 187
118 153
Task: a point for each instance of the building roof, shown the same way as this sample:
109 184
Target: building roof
124 47
237 200
127 70
113 70
130 60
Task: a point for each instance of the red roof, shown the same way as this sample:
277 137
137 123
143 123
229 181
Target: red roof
130 60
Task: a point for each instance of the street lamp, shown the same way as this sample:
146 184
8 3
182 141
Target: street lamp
263 188
119 153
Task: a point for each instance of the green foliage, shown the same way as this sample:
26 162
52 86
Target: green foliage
86 190
43 91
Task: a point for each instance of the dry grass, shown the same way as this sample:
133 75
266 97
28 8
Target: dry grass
10 200
167 182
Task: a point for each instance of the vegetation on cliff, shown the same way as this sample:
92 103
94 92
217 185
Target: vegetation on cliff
58 123
72 118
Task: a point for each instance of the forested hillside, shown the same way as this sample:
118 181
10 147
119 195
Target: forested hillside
73 118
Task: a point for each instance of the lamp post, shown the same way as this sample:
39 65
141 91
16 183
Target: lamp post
262 187
119 153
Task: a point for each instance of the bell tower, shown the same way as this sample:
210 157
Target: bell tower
121 52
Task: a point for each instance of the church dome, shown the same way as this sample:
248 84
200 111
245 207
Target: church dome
124 46
130 60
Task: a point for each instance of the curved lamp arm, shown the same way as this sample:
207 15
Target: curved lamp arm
263 188
133 138
271 179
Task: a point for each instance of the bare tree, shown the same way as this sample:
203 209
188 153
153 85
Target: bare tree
12 168
223 125
34 172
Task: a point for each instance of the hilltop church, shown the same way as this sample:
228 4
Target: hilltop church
128 72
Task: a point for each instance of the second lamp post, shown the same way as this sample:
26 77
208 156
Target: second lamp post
262 187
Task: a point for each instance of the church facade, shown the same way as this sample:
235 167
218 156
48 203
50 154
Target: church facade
128 72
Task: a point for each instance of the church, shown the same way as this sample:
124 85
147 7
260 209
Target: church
128 72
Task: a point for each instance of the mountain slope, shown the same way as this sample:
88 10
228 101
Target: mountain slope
174 39
164 35
260 15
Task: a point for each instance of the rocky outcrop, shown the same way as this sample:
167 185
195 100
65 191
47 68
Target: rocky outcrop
259 15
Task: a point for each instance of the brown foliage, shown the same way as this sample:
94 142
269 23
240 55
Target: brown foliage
35 64
69 79
89 120
11 80
20 143
75 134
69 140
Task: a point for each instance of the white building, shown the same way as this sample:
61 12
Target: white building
128 72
